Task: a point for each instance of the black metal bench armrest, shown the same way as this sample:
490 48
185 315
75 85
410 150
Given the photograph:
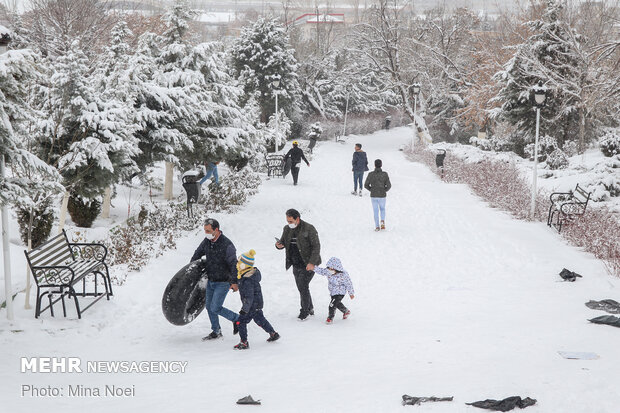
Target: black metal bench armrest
89 251
51 271
570 194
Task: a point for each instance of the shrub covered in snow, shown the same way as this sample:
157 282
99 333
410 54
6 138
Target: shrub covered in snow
83 211
557 160
610 143
546 145
40 223
606 182
484 144
570 148
233 190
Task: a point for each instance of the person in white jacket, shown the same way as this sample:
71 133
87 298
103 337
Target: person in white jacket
339 284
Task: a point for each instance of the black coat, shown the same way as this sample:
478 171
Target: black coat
378 183
221 259
296 155
307 242
250 291
360 161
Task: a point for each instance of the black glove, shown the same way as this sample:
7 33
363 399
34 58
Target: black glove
242 312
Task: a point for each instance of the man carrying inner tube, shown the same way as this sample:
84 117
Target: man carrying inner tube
220 265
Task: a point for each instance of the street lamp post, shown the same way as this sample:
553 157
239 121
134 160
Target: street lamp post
539 98
346 109
416 90
5 39
276 84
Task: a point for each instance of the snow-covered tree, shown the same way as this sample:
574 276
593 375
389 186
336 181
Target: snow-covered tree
261 55
548 55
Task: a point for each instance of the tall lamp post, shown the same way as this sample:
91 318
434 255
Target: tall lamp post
276 85
416 90
539 99
5 39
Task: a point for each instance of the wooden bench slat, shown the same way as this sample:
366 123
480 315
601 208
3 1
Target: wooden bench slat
41 249
57 256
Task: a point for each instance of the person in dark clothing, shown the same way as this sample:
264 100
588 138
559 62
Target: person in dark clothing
296 155
303 252
252 299
220 265
378 183
360 165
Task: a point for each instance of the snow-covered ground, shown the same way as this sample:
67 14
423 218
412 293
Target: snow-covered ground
453 299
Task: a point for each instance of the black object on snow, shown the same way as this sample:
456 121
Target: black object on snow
504 405
606 319
184 297
610 306
247 400
410 400
439 158
287 167
192 189
568 275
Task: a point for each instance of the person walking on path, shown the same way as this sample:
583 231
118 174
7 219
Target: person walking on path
211 170
303 252
378 183
221 268
296 155
252 299
339 284
360 165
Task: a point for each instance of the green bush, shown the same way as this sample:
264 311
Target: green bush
42 221
83 212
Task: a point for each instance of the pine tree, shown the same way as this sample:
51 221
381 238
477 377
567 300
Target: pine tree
547 53
261 55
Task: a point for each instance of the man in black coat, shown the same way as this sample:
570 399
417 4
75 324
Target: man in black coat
360 165
220 265
303 252
296 155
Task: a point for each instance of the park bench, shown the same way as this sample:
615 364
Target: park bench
58 266
565 206
275 165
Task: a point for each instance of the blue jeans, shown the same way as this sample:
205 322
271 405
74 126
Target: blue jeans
378 204
358 177
216 294
211 171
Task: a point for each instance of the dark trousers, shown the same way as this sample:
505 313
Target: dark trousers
259 319
295 173
302 279
336 302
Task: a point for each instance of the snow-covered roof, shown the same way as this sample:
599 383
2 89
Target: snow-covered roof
313 18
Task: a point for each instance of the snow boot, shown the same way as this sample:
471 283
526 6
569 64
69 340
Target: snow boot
382 224
377 229
273 337
329 321
212 336
243 345
346 314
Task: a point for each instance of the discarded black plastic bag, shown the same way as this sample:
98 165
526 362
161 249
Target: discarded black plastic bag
609 306
606 319
410 400
248 400
568 275
505 405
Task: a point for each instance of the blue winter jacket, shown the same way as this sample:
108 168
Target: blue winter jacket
360 161
250 291
221 259
339 283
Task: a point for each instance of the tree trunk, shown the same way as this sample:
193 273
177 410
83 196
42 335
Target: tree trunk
168 181
63 212
107 201
27 302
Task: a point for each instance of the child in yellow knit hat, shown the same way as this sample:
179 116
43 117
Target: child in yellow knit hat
252 299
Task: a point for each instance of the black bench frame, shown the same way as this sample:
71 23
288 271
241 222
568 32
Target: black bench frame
567 205
58 265
275 165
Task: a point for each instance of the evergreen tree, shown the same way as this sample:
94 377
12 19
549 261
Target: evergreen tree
547 53
261 55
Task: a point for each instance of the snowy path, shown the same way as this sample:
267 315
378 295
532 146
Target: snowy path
454 299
